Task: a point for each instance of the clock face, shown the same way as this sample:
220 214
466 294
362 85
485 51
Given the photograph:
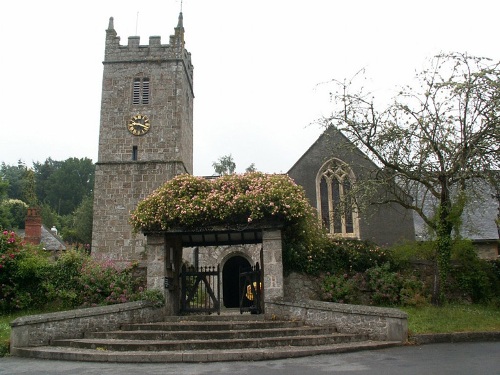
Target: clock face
138 125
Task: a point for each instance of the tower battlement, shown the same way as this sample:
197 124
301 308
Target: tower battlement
155 51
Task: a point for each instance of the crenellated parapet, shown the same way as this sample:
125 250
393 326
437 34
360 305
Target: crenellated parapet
155 51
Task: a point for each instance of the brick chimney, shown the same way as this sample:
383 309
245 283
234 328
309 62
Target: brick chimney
33 226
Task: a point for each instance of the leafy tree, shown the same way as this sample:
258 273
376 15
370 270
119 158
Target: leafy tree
13 214
67 186
251 168
15 176
29 188
80 230
5 218
49 217
434 140
4 187
43 173
225 165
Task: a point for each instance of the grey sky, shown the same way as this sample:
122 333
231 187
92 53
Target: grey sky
257 66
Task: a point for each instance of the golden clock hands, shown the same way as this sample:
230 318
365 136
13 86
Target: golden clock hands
139 124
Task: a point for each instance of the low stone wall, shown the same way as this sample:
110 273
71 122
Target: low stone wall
38 330
378 323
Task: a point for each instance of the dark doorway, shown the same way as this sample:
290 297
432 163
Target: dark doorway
230 280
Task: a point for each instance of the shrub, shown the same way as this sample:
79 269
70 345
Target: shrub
469 276
103 283
403 254
341 288
23 269
191 202
28 278
377 286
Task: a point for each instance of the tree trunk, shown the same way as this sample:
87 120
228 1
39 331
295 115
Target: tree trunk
443 243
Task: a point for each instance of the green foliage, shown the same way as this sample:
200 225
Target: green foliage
79 228
451 318
28 278
341 288
67 186
378 286
472 279
403 254
225 165
434 137
14 213
22 271
103 283
50 218
193 202
29 188
155 296
343 255
14 175
61 188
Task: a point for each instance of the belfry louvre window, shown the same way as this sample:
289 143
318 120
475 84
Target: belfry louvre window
140 91
336 208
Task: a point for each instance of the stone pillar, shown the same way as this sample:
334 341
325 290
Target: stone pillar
272 265
164 259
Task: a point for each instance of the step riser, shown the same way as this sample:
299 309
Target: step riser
209 326
215 335
196 357
210 345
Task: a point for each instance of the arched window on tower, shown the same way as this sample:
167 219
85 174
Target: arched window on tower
336 208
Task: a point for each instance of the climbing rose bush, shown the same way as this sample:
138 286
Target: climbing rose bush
191 202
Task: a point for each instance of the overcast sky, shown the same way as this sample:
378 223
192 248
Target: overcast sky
257 66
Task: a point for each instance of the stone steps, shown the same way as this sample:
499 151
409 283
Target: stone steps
204 339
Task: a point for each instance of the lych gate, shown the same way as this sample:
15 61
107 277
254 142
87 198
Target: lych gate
164 268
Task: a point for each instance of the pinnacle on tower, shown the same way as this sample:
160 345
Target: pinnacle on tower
180 23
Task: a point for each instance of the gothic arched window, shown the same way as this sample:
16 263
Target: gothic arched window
336 208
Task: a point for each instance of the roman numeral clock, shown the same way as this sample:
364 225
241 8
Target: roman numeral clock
139 124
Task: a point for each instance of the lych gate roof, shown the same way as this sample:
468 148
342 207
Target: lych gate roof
219 238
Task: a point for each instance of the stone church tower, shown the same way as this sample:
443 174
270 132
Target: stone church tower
145 135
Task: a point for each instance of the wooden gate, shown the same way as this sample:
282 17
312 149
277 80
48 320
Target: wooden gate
200 290
251 290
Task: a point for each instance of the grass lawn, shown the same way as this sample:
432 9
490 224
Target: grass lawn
453 318
429 319
5 319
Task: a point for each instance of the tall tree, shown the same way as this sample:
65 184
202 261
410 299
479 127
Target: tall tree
43 171
251 168
14 175
67 186
434 140
225 165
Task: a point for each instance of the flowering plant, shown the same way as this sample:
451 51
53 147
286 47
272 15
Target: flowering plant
192 202
10 245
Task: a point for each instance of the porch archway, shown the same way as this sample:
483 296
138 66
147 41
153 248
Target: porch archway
230 280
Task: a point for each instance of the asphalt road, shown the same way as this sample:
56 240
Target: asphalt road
439 359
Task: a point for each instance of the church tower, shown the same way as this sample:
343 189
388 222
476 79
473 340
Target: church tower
145 134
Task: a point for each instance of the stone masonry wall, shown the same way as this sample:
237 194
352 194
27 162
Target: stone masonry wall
38 330
118 190
378 323
129 166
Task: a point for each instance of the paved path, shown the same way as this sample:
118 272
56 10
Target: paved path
439 359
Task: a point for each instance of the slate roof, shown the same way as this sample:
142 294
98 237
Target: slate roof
50 241
478 218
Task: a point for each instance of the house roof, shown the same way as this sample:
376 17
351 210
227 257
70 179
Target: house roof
50 241
479 216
